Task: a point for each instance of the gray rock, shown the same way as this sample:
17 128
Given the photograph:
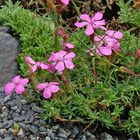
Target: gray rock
35 108
90 136
8 138
75 132
4 29
9 51
19 119
50 133
14 107
62 133
131 139
42 129
7 98
2 132
83 137
33 129
106 136
47 138
21 133
8 124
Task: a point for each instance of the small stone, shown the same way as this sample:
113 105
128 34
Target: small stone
33 129
90 136
106 136
35 108
75 132
19 119
8 124
131 139
83 137
14 108
47 138
62 135
2 132
20 133
50 133
7 98
63 132
42 129
8 138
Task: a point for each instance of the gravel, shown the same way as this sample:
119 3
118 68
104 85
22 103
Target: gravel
14 109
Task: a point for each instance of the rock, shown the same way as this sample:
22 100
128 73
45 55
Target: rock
47 138
9 51
8 124
50 133
33 129
75 132
62 133
7 98
42 129
4 29
90 136
2 132
20 133
131 139
8 138
14 108
106 136
35 108
19 119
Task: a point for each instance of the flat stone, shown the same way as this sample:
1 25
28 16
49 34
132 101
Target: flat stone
9 51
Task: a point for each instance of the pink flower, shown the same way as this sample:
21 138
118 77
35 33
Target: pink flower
65 2
36 65
61 60
17 84
49 88
108 42
67 46
92 23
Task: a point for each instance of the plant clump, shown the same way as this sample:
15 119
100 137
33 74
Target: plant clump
88 75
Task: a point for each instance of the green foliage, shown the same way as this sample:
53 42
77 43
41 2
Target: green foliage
97 90
129 14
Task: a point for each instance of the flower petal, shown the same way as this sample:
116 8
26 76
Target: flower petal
69 64
24 81
60 66
70 55
19 89
47 93
53 83
85 17
105 50
54 88
97 16
30 60
65 2
42 86
8 88
69 45
44 66
89 30
34 68
80 24
16 79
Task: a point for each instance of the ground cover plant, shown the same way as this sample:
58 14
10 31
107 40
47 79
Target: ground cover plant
89 75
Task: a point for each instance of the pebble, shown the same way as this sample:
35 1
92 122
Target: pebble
106 136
